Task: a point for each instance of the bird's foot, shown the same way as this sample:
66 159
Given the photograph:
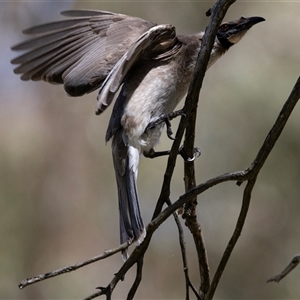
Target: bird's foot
166 119
197 153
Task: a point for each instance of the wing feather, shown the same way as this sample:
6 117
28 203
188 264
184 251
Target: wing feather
142 49
78 52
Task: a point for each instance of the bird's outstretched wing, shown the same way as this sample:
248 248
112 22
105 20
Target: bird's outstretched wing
159 42
78 52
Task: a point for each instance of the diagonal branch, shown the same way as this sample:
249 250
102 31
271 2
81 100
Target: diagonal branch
277 128
74 267
233 240
256 166
188 283
138 278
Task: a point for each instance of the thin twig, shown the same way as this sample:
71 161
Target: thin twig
195 229
138 278
188 283
74 267
295 261
184 259
97 294
253 170
233 240
277 128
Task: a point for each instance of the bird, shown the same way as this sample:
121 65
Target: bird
148 67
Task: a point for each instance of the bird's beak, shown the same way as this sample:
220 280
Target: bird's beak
230 33
247 23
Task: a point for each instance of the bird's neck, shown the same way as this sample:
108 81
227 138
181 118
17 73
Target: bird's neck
217 51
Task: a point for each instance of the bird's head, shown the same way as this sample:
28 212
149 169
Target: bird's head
230 33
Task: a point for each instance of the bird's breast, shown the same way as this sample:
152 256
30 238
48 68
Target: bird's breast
151 91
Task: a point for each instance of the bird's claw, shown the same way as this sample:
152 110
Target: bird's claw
170 117
169 129
166 119
197 153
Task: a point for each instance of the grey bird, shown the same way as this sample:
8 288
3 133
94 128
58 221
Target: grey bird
150 64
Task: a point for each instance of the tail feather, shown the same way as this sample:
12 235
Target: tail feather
126 160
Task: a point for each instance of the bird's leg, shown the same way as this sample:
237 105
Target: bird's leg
166 119
153 154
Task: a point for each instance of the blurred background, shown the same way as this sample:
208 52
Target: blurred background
58 200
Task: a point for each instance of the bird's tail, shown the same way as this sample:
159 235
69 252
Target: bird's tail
126 160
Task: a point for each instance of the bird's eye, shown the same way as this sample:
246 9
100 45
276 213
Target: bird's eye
224 27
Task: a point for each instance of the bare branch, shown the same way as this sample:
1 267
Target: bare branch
195 229
138 278
233 240
276 130
295 261
74 267
188 283
103 291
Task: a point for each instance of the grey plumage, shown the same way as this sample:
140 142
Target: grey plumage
150 63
